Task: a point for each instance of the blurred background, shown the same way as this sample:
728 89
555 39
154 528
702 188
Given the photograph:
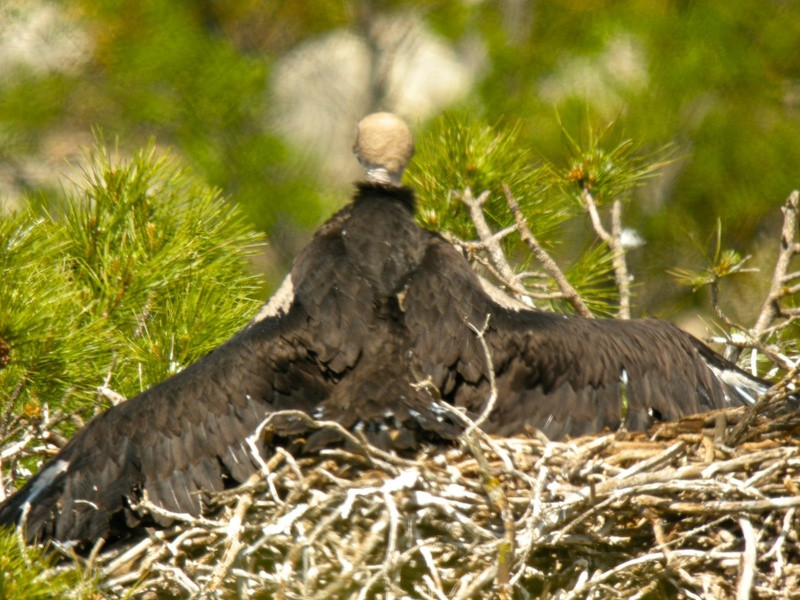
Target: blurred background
261 97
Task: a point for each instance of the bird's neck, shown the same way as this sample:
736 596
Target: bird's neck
369 190
382 175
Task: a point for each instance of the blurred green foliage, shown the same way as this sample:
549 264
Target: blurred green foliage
718 82
161 70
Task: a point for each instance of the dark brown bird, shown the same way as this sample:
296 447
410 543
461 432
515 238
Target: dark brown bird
374 306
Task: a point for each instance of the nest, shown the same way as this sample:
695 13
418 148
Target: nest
684 511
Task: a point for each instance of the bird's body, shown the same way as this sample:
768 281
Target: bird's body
378 306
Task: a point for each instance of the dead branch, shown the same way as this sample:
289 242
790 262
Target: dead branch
614 241
490 241
770 310
571 295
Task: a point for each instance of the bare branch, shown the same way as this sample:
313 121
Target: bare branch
496 514
788 248
748 561
613 240
780 288
490 241
480 334
548 264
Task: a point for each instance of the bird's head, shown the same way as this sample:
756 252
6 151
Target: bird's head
384 145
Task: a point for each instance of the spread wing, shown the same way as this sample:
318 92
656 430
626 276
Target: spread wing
186 437
563 375
177 441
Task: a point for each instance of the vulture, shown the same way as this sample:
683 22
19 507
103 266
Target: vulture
377 328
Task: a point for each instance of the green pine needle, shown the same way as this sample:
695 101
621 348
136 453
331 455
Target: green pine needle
720 264
457 153
607 171
30 573
146 271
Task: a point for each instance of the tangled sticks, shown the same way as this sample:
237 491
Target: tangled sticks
678 513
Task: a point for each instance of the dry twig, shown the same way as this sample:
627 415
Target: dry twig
614 241
548 264
609 514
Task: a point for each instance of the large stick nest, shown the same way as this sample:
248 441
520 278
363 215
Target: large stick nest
684 511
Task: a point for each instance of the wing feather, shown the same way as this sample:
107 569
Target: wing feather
563 375
186 436
160 441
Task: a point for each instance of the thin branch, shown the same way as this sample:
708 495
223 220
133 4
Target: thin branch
489 240
771 309
748 562
614 241
788 248
778 392
233 542
487 410
620 264
347 525
571 295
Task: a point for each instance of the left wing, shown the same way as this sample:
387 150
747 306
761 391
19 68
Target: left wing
564 375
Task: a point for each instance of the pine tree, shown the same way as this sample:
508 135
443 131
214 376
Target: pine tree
480 181
139 272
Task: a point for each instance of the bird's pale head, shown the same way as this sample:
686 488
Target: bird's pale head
384 145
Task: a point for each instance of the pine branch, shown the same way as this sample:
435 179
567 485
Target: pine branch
490 241
614 241
570 294
779 289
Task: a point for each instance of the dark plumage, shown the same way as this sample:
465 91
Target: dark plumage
378 305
